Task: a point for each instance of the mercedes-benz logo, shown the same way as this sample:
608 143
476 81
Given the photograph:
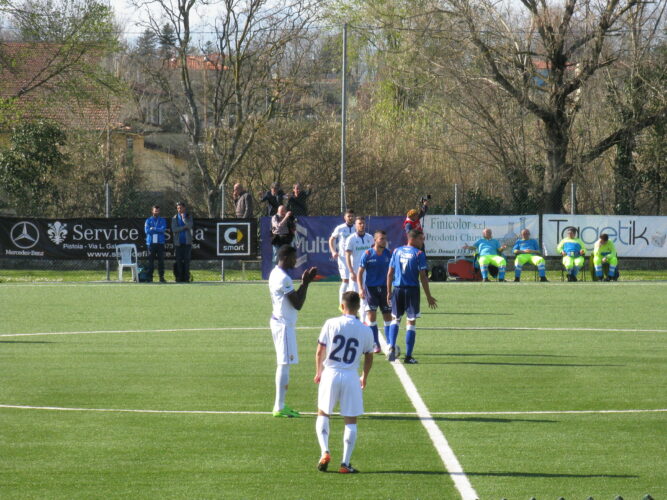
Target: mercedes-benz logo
24 234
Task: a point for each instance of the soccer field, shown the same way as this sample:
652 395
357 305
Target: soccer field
165 391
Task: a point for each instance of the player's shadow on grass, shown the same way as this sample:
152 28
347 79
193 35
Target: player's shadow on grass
481 420
537 365
408 472
492 354
549 475
449 313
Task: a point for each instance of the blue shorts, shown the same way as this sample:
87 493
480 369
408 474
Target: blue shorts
405 300
376 296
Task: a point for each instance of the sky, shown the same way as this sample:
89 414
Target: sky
130 17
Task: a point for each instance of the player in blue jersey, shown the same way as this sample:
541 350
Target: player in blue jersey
375 264
489 251
406 269
527 250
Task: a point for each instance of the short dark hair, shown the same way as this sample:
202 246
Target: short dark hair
180 204
351 300
348 211
285 251
572 229
604 237
380 231
360 217
414 233
156 206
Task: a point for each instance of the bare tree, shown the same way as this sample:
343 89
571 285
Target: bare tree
636 85
544 65
224 98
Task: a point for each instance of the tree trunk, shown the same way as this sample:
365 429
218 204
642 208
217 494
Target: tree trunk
557 172
625 176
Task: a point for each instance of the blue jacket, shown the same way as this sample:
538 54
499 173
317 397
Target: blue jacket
155 226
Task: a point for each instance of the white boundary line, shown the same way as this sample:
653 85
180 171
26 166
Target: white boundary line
372 413
452 465
260 328
543 329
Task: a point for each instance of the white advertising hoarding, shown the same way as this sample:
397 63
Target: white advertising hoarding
446 234
633 236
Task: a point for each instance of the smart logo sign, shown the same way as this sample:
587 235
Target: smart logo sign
632 236
235 239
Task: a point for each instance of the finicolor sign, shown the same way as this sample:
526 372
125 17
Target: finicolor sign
446 235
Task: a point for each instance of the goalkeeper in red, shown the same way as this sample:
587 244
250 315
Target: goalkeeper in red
406 269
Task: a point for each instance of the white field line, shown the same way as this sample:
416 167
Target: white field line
544 329
371 413
452 465
260 328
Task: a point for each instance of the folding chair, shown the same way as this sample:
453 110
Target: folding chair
126 255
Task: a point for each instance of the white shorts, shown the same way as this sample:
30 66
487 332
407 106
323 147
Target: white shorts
340 386
284 340
343 270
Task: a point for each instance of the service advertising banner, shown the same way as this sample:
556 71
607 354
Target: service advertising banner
312 242
447 234
633 236
96 238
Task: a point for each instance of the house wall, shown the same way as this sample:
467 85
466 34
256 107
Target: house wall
161 171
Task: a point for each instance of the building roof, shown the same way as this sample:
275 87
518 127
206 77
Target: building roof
40 76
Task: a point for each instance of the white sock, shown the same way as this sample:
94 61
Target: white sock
282 379
349 440
341 291
322 430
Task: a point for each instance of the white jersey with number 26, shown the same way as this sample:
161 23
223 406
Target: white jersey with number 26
346 339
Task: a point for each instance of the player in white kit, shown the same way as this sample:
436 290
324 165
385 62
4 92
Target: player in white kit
286 302
337 249
355 246
341 344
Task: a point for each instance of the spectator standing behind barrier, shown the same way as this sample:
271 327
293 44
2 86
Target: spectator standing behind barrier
273 199
413 217
604 252
489 250
297 201
155 227
527 250
573 250
181 228
242 202
283 228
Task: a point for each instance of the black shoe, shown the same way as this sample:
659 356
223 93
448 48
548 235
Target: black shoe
501 281
544 279
391 354
607 279
347 469
516 280
409 360
574 278
162 280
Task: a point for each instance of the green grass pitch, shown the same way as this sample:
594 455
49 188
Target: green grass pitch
518 377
